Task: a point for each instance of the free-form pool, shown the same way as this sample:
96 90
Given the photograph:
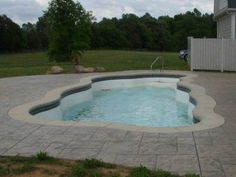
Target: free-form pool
152 102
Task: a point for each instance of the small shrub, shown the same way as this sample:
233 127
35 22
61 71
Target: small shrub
140 172
93 163
191 175
4 171
96 174
79 171
43 156
162 173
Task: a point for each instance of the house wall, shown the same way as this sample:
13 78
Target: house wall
220 5
216 6
224 27
225 15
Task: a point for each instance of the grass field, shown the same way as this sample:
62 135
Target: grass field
111 60
42 165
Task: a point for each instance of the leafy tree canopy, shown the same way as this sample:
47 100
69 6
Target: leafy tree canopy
69 25
10 35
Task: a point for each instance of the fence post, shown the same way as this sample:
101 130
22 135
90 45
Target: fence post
222 55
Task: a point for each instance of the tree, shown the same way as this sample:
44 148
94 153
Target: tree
31 37
106 34
69 25
149 33
11 39
43 31
70 29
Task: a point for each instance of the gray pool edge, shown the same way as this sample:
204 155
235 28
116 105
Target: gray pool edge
204 110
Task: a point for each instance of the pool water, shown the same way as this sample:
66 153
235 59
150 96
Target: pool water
141 106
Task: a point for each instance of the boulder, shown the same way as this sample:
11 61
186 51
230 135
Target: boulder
90 70
100 69
56 70
82 69
79 68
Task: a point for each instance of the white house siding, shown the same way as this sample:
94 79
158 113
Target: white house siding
220 6
224 27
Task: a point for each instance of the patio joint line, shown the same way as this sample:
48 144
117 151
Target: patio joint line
93 133
100 149
23 139
139 144
126 133
199 164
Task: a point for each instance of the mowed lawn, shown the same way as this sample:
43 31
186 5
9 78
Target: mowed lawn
111 60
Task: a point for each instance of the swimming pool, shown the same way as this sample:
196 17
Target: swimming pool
77 105
150 102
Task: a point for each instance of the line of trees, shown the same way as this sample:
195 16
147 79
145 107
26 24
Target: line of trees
146 32
28 37
129 32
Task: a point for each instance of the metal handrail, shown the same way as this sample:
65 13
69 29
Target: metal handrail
156 60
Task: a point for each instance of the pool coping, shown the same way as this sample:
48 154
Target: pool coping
204 110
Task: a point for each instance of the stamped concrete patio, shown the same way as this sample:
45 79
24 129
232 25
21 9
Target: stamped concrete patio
209 153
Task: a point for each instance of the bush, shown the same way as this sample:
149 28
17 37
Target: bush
162 173
43 156
96 174
4 171
140 172
191 175
93 163
144 172
79 171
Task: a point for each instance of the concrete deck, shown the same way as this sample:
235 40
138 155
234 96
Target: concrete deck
210 153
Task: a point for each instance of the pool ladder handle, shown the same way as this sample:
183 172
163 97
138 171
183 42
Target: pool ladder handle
156 60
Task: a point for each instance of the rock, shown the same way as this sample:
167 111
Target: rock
100 69
79 68
90 70
82 69
56 70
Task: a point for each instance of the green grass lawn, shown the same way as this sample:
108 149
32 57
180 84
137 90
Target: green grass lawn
111 60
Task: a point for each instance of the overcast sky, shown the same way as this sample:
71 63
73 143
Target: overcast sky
22 11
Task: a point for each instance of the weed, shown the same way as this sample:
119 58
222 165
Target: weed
162 173
191 175
4 171
43 157
96 174
140 172
79 171
93 163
